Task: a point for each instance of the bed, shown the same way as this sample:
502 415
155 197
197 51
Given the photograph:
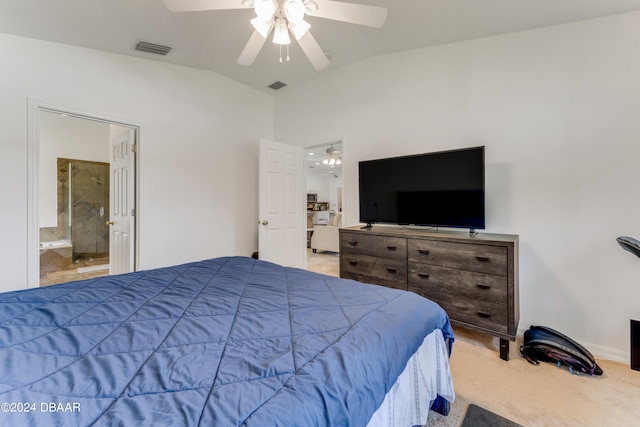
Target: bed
221 342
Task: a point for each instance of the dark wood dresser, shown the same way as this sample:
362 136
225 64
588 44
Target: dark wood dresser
474 278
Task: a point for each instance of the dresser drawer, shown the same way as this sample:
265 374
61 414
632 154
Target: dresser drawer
466 256
374 245
370 269
464 283
489 315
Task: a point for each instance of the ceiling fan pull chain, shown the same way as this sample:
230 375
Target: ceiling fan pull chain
287 59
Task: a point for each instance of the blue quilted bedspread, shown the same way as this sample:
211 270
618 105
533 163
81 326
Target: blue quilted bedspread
223 342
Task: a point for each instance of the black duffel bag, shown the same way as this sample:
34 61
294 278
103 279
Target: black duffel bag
548 345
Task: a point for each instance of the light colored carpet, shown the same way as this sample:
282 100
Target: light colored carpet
542 395
530 395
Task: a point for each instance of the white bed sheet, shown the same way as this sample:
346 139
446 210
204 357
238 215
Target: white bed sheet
426 375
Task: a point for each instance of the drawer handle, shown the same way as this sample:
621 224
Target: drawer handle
423 275
392 270
392 248
482 258
484 314
423 252
481 286
352 243
351 262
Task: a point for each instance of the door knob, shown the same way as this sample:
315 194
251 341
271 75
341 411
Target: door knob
110 222
265 222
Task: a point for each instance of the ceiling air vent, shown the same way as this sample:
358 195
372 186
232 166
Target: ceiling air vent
158 49
277 85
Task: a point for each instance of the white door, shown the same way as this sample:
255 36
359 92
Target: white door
282 206
122 203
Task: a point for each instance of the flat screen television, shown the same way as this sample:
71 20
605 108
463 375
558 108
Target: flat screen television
441 189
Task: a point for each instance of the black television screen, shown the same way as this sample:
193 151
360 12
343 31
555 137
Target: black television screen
444 189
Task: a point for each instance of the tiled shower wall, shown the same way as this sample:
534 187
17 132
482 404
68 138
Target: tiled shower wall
88 191
89 209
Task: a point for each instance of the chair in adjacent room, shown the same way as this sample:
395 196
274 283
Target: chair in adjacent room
327 237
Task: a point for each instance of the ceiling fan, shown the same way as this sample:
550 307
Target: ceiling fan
287 16
334 157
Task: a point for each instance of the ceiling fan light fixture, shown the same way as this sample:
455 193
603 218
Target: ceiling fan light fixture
262 27
294 11
281 33
334 157
265 9
300 29
310 7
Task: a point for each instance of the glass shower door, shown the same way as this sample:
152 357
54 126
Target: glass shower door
89 210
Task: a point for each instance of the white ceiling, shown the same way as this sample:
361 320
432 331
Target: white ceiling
213 40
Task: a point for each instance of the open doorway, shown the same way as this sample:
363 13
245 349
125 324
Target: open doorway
75 244
73 196
325 183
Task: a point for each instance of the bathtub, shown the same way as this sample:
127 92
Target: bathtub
55 244
56 255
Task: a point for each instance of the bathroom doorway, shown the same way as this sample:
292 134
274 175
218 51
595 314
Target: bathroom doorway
324 175
78 245
74 192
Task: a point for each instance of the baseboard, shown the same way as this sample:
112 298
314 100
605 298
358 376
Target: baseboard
607 353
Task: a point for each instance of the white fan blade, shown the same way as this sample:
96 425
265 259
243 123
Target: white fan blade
312 49
371 16
251 49
197 5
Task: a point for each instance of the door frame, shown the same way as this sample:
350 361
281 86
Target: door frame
33 156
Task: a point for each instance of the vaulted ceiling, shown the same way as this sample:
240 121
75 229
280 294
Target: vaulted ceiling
213 40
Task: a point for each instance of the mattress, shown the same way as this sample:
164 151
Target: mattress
228 341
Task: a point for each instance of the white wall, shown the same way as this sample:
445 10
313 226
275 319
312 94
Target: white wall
558 110
70 138
198 157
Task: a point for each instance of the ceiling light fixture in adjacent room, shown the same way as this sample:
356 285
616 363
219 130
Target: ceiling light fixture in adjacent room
334 157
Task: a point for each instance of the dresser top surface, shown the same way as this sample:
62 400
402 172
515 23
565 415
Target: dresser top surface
396 231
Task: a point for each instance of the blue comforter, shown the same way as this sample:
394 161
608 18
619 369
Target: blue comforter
223 342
